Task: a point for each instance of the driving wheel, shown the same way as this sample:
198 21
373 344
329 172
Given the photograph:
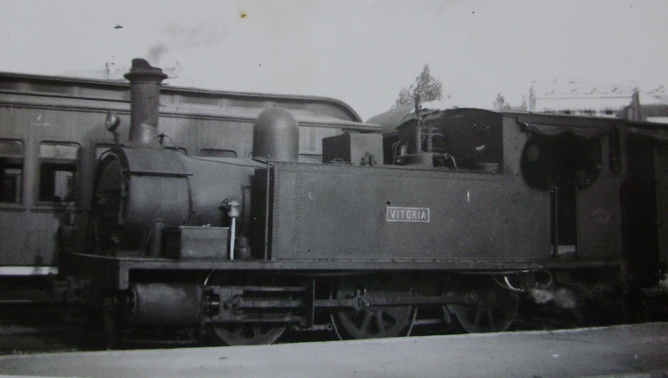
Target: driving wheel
246 333
488 307
373 320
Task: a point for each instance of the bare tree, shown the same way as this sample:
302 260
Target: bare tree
425 86
500 103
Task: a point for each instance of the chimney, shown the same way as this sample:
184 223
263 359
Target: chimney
144 103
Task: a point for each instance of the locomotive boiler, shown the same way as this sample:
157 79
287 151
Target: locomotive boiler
144 193
446 217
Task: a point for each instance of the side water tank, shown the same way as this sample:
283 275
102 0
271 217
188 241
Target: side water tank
276 136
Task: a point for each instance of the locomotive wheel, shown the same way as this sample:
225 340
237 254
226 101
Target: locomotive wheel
373 321
247 333
489 308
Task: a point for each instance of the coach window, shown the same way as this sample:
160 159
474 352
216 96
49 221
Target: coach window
11 171
57 171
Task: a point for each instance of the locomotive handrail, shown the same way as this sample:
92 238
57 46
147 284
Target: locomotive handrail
266 210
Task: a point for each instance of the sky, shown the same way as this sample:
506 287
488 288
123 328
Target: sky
361 52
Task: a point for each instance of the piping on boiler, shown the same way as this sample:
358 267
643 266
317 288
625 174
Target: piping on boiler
233 213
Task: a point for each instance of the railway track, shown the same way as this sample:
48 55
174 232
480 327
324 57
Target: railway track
30 323
38 327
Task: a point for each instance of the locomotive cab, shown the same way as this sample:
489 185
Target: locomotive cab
564 165
455 139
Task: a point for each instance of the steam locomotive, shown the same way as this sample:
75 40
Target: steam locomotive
414 218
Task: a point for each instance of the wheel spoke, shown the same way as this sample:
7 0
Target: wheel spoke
393 313
493 309
246 334
365 321
490 316
381 324
478 316
373 321
237 331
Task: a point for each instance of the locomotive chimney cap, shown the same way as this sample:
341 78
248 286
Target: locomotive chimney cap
141 69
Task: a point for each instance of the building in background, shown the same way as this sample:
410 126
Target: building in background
614 101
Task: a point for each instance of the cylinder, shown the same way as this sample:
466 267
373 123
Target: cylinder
276 136
164 304
144 103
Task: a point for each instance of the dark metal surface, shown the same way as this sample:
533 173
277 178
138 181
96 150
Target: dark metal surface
276 136
474 216
203 243
600 220
164 304
358 303
357 149
127 204
145 103
214 181
139 187
114 272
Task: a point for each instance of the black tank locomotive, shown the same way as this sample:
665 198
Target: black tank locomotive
448 215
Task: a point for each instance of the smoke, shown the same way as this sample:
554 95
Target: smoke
179 37
562 297
156 51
